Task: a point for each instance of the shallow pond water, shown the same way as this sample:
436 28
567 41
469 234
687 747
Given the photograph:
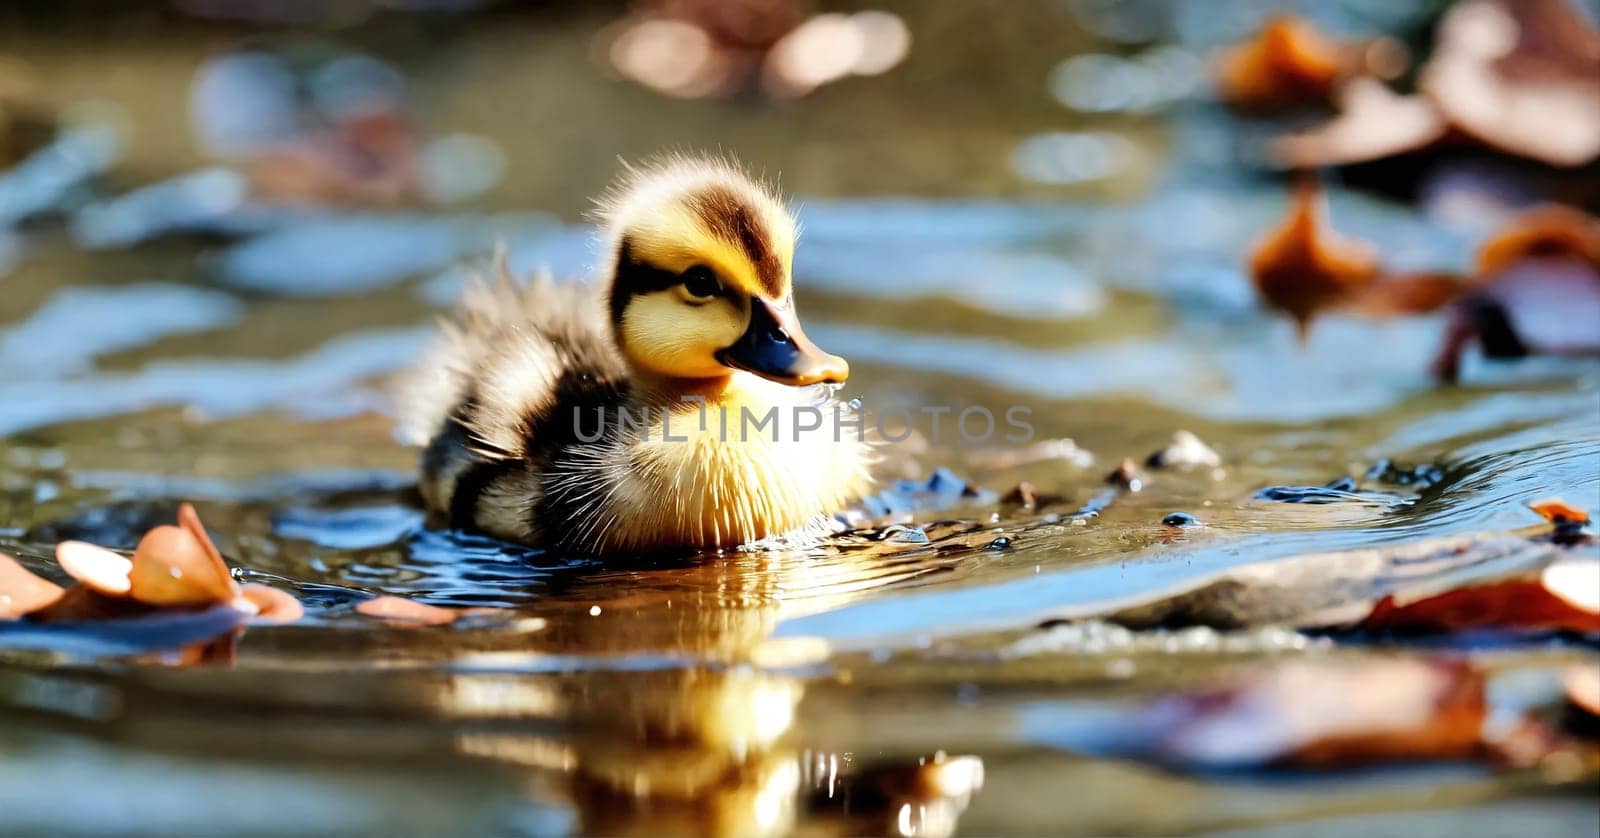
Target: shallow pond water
246 368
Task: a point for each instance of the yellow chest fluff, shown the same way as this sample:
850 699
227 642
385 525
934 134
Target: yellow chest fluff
757 461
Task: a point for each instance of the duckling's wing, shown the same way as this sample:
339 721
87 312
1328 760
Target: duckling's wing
511 353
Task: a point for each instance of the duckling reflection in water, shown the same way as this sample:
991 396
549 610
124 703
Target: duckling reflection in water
693 318
701 751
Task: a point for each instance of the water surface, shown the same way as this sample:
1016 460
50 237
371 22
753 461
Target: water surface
247 367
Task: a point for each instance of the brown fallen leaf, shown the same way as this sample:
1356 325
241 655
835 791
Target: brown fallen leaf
1527 580
1527 604
1372 123
1536 291
1519 77
21 591
1553 231
1304 267
176 567
1522 77
1329 714
1535 288
172 567
1289 63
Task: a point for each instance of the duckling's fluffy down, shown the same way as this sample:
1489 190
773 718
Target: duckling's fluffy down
502 353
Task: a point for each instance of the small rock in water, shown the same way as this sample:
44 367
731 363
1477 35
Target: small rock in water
945 482
1343 484
1180 519
1304 494
940 489
1421 476
1185 452
901 534
1023 495
1126 475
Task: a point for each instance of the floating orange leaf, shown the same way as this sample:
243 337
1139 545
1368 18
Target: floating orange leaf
95 567
1304 267
402 610
1549 232
1558 511
1509 604
1536 291
172 567
271 604
1289 63
21 591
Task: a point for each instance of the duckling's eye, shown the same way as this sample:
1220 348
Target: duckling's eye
700 284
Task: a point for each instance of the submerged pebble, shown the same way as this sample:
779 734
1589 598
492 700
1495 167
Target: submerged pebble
902 534
1184 452
1023 495
1421 475
1028 498
1126 475
1303 494
1335 491
1343 484
942 488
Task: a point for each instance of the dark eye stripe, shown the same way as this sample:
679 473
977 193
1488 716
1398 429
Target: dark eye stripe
635 277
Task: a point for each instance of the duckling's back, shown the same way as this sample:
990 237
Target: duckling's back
498 393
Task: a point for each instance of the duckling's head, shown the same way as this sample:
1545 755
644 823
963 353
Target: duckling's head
700 283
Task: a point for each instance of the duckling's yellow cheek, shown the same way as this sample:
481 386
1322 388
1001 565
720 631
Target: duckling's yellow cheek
663 334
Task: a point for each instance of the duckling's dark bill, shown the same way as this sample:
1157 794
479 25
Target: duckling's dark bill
775 348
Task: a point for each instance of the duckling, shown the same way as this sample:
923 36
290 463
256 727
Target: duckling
631 414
